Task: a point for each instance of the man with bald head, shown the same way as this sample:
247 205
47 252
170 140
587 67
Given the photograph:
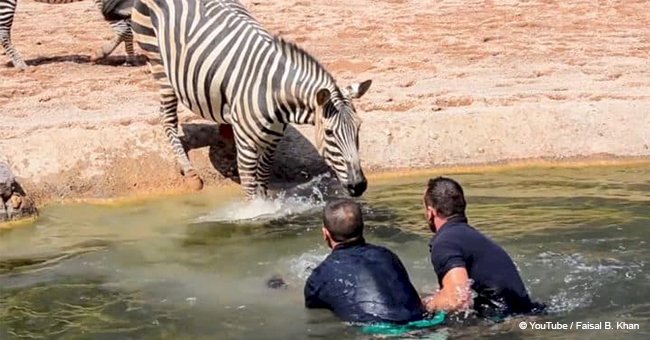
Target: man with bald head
360 282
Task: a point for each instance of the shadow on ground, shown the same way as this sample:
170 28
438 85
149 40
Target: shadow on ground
140 60
297 160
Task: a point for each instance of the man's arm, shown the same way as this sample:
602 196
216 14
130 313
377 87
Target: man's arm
455 294
312 291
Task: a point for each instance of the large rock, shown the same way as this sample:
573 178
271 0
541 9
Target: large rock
14 203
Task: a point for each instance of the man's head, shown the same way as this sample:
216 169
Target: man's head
342 221
443 198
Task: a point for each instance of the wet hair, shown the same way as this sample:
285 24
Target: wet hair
343 219
446 196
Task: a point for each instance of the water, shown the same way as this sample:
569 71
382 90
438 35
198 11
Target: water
176 268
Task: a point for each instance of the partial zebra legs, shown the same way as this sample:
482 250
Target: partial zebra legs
264 166
122 29
16 58
254 163
169 120
7 9
247 158
123 33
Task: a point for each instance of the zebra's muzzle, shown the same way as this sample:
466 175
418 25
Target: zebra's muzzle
357 189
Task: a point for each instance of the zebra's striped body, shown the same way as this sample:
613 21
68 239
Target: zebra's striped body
220 63
121 27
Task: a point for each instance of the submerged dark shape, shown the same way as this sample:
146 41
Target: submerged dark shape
276 282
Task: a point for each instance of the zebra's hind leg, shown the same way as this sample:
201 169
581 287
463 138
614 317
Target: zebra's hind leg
6 21
122 33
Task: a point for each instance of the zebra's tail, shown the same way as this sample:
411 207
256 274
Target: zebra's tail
113 10
57 2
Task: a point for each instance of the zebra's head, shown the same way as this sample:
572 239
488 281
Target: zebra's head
337 134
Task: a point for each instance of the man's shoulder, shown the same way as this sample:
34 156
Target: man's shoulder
380 250
321 268
457 229
355 254
468 233
376 247
453 236
449 233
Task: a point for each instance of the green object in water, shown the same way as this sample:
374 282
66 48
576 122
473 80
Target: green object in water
395 329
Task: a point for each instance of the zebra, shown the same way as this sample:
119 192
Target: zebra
118 15
220 62
116 12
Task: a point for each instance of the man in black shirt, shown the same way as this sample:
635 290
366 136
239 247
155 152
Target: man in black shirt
464 258
358 281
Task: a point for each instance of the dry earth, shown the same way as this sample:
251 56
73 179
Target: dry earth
455 83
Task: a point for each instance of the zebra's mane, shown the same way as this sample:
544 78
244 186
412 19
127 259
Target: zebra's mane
297 52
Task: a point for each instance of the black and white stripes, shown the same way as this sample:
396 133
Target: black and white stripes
215 58
117 12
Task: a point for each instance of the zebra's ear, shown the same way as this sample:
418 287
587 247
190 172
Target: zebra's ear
322 96
359 89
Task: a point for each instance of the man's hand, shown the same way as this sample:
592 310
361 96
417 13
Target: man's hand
455 294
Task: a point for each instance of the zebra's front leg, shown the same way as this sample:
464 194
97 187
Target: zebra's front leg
169 120
254 162
265 165
247 156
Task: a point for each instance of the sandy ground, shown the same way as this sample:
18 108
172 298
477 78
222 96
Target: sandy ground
455 83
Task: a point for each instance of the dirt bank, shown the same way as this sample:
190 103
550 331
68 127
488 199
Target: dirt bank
455 83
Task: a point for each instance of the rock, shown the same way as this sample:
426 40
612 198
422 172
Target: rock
14 203
6 181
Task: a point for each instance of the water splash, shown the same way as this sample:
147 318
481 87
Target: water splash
258 210
293 201
580 287
302 266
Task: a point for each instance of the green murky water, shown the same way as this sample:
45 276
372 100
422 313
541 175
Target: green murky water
169 269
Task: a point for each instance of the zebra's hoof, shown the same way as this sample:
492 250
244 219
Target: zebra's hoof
20 65
98 56
193 181
260 193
